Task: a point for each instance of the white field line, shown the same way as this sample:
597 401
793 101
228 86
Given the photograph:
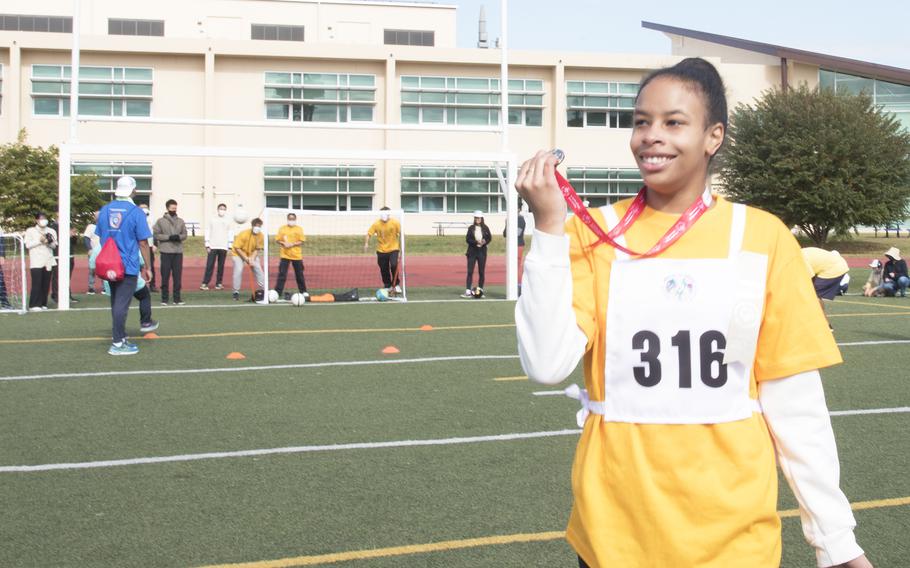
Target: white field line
341 447
256 368
886 342
288 450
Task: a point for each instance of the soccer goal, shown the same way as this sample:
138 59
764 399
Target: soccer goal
12 274
338 257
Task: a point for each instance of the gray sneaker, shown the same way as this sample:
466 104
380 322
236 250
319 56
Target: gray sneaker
125 348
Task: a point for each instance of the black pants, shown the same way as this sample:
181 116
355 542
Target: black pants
388 267
41 287
214 254
55 280
121 297
145 304
582 563
152 270
478 256
171 263
283 274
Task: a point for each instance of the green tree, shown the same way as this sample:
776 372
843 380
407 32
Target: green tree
818 160
29 184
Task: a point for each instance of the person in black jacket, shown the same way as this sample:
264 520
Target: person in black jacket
895 279
478 238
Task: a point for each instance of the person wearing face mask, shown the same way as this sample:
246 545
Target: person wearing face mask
290 241
478 237
247 249
218 235
41 242
388 247
170 232
153 247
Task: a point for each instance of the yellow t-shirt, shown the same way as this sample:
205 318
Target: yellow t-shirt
247 243
648 495
290 234
824 264
388 233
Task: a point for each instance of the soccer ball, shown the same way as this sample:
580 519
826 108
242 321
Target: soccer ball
477 292
298 299
273 296
240 215
382 294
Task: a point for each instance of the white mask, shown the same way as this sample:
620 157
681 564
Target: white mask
42 223
384 216
221 212
292 223
257 230
147 212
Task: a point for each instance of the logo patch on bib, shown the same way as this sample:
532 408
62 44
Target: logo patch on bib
679 287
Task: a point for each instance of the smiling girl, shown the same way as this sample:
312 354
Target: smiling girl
701 354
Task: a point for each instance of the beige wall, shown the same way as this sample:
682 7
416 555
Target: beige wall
324 21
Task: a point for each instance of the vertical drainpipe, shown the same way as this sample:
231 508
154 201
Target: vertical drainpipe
784 81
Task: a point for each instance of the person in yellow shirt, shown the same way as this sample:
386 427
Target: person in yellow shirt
388 247
701 343
247 250
827 270
290 239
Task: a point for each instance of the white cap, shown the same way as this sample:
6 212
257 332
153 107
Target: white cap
875 264
125 186
478 213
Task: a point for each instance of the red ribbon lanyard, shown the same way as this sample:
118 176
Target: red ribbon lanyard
685 222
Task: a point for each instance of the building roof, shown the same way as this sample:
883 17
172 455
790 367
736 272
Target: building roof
832 62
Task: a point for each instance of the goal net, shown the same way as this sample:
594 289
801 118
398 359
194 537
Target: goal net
12 274
351 255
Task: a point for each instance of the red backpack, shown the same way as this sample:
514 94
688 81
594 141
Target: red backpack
108 264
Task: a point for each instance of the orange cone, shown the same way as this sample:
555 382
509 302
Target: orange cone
150 335
390 350
235 355
426 327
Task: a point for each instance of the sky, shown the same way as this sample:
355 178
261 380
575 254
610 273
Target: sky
877 31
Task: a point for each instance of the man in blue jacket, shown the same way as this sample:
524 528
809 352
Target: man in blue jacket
122 221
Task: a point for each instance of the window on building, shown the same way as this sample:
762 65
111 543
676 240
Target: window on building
117 26
450 100
410 37
891 97
19 23
319 97
450 189
602 186
328 188
600 104
276 33
103 91
526 102
109 172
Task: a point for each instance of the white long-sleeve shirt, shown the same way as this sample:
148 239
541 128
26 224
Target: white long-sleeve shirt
550 345
219 233
40 255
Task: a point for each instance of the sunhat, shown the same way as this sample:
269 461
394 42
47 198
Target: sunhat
894 253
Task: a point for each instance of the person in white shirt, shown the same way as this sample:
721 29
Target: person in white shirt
90 240
219 234
41 241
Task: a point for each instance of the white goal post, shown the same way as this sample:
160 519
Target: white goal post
499 161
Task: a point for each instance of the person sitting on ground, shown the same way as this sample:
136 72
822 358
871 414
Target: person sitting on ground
873 286
247 249
894 275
